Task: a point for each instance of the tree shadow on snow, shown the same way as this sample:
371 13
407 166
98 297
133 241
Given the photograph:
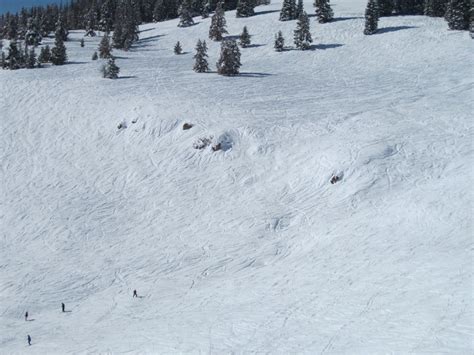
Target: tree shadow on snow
394 29
255 45
337 19
76 62
127 77
254 75
148 39
234 37
148 29
315 47
265 12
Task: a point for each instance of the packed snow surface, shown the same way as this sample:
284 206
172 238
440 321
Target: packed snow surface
249 249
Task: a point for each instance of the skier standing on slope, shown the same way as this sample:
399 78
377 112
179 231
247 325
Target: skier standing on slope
135 293
63 307
26 316
29 339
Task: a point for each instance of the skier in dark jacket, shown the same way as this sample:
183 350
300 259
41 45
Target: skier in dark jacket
29 339
135 293
63 307
26 316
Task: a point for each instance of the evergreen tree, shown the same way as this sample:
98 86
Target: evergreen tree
371 17
386 7
244 38
61 30
299 8
104 47
457 14
82 43
185 16
95 56
58 52
206 9
245 8
106 16
32 35
3 61
302 35
91 22
229 61
324 11
177 48
31 59
110 70
471 21
409 7
218 23
288 10
201 65
279 42
45 55
13 58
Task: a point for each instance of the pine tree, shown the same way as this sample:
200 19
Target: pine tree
201 65
288 10
206 9
471 21
106 16
3 61
324 11
371 17
302 35
244 39
299 8
245 8
457 14
177 48
126 26
31 59
279 42
82 43
61 30
185 16
91 22
58 52
104 47
13 56
218 23
110 70
95 56
45 55
32 35
229 61
386 7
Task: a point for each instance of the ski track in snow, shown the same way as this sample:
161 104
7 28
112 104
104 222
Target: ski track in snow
249 249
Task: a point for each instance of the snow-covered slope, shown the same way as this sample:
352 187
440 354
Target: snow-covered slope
249 249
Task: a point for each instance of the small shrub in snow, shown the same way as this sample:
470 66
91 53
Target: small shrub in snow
110 70
177 48
82 43
244 39
279 42
45 55
105 47
187 126
95 56
58 52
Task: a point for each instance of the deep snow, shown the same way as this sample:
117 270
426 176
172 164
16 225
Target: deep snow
250 249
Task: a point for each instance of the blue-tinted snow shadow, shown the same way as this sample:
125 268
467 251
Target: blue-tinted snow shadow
127 77
266 12
234 37
337 19
147 39
254 75
315 47
394 29
73 62
255 45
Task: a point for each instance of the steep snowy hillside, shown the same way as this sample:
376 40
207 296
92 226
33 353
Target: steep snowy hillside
248 249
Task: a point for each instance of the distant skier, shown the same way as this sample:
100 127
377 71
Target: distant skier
29 340
26 316
135 293
63 307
